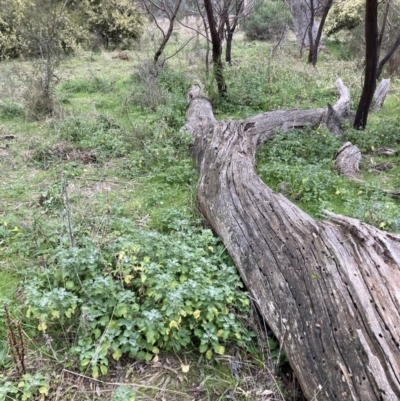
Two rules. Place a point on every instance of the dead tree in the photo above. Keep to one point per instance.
(329, 290)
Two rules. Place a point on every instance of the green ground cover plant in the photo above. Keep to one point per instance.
(139, 293)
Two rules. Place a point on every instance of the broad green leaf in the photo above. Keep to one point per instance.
(203, 348)
(150, 336)
(117, 354)
(103, 369)
(173, 323)
(121, 311)
(69, 284)
(44, 390)
(220, 350)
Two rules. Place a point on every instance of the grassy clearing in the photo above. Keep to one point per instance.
(115, 179)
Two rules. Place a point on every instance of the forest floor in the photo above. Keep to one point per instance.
(110, 174)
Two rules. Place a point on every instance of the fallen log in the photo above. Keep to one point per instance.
(329, 290)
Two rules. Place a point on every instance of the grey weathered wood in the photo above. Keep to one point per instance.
(347, 160)
(380, 94)
(329, 290)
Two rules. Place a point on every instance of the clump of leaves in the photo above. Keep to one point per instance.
(27, 387)
(140, 293)
(304, 161)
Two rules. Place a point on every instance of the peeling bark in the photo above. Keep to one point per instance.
(329, 290)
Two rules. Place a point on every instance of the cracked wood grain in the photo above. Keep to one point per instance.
(329, 290)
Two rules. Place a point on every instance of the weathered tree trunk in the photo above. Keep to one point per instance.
(329, 290)
(347, 160)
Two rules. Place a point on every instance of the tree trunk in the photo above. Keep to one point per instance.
(314, 44)
(216, 40)
(371, 62)
(301, 13)
(229, 38)
(329, 290)
(230, 29)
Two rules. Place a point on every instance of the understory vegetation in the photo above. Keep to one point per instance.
(113, 286)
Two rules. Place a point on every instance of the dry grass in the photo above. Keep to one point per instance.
(239, 376)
